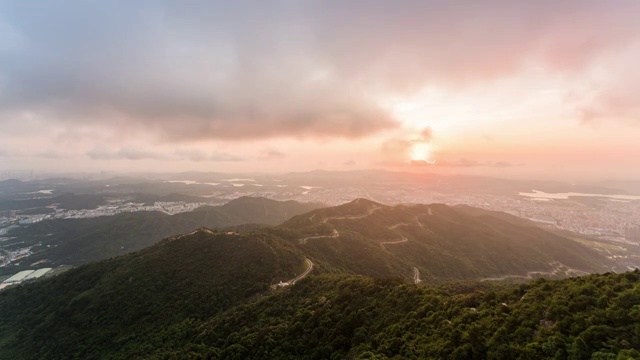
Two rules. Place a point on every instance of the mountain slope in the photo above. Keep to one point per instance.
(266, 211)
(338, 317)
(75, 241)
(441, 242)
(95, 309)
(141, 306)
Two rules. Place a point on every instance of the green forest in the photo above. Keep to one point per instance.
(208, 296)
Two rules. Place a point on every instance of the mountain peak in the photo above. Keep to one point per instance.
(442, 242)
(358, 206)
(363, 201)
(11, 182)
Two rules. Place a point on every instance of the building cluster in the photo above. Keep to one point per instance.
(170, 208)
(25, 220)
(23, 276)
(8, 214)
(632, 233)
(6, 256)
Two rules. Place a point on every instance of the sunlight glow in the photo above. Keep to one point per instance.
(421, 152)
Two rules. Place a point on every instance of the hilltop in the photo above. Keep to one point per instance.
(440, 241)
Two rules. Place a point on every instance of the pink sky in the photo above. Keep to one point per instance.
(541, 89)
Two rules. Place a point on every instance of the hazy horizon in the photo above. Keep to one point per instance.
(515, 90)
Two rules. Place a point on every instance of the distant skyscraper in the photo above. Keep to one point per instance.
(8, 214)
(632, 233)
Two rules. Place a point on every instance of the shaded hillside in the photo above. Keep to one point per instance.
(75, 241)
(266, 211)
(442, 242)
(14, 186)
(128, 305)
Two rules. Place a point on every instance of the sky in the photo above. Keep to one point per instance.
(539, 89)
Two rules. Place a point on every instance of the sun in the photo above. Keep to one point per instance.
(421, 152)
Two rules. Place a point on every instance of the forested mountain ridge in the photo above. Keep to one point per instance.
(137, 310)
(126, 304)
(442, 242)
(76, 241)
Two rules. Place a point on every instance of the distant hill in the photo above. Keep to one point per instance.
(68, 201)
(267, 210)
(441, 242)
(75, 241)
(11, 186)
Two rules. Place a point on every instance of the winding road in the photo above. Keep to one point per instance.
(335, 234)
(398, 225)
(416, 275)
(559, 269)
(404, 240)
(297, 278)
(353, 217)
(304, 274)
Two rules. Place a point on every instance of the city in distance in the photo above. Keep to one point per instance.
(320, 180)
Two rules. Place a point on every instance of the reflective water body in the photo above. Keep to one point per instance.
(563, 196)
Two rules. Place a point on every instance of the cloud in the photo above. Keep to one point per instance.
(223, 156)
(256, 69)
(51, 154)
(504, 164)
(396, 146)
(350, 163)
(617, 97)
(420, 163)
(464, 162)
(425, 135)
(272, 154)
(100, 153)
(195, 155)
(401, 146)
(191, 155)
